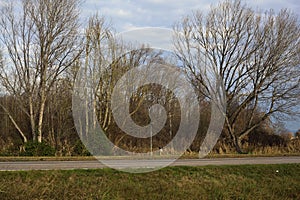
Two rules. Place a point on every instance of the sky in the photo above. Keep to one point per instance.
(126, 15)
(129, 14)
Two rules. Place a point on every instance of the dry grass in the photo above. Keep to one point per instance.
(291, 149)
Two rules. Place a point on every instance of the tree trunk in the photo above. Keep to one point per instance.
(41, 117)
(236, 140)
(238, 145)
(32, 119)
(15, 124)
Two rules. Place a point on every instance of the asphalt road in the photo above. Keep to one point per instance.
(119, 164)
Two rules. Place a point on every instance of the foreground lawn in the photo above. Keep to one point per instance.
(211, 182)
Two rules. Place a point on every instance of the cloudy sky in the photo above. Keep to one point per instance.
(129, 14)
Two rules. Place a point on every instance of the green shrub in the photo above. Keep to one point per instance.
(38, 149)
(80, 150)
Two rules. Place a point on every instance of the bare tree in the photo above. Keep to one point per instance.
(256, 56)
(41, 40)
(93, 76)
(107, 59)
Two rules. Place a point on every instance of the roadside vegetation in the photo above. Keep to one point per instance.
(213, 182)
(255, 55)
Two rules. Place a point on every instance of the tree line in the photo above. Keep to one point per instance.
(255, 55)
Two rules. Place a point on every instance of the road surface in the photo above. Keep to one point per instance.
(119, 164)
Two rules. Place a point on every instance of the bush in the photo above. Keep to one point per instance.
(80, 150)
(11, 150)
(38, 149)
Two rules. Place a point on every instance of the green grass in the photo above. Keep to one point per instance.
(211, 182)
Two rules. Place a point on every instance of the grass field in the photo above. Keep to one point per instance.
(211, 182)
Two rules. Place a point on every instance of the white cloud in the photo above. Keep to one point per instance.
(117, 12)
(136, 13)
(127, 14)
(158, 38)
